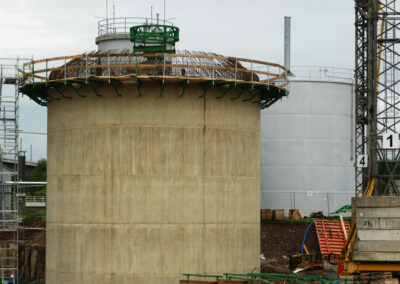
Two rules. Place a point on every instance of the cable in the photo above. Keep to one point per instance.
(305, 236)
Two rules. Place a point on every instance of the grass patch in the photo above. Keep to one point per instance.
(39, 215)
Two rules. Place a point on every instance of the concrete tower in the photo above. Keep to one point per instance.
(153, 162)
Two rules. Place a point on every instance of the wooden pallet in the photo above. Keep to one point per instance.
(278, 214)
(266, 214)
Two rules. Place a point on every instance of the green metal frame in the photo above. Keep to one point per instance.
(274, 278)
(266, 95)
(154, 38)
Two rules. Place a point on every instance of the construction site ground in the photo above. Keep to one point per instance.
(279, 240)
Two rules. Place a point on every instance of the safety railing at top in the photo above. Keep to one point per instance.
(122, 25)
(322, 73)
(182, 66)
(34, 198)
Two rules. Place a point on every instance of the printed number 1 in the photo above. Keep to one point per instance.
(390, 138)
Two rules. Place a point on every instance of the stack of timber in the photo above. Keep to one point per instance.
(278, 214)
(294, 214)
(266, 214)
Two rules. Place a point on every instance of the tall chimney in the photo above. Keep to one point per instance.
(287, 42)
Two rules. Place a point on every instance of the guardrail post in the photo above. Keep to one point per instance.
(33, 70)
(163, 74)
(236, 61)
(268, 76)
(252, 75)
(47, 65)
(213, 70)
(109, 69)
(65, 71)
(86, 70)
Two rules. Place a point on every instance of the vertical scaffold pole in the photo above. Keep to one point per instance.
(86, 70)
(252, 75)
(109, 69)
(65, 71)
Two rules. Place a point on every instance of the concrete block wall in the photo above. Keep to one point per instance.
(378, 227)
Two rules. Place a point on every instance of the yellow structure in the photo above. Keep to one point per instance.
(146, 185)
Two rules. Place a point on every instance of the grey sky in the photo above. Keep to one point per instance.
(322, 33)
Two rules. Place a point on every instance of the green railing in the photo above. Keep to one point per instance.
(154, 38)
(270, 278)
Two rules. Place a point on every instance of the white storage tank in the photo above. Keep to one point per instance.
(307, 159)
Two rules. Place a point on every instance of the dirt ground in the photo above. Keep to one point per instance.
(279, 240)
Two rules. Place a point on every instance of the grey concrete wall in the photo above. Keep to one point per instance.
(143, 189)
(378, 228)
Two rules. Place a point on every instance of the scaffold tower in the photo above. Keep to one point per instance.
(9, 191)
(377, 90)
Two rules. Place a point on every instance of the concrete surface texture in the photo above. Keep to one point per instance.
(378, 228)
(143, 189)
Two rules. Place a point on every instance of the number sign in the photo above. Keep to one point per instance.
(390, 140)
(362, 161)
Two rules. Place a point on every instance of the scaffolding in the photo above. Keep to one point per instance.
(9, 193)
(377, 89)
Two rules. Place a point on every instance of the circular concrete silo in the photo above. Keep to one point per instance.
(153, 169)
(147, 188)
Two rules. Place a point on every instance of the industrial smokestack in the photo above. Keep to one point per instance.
(287, 42)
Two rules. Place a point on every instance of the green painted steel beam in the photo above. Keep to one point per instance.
(184, 85)
(205, 86)
(93, 87)
(255, 93)
(244, 89)
(231, 86)
(116, 84)
(162, 87)
(71, 85)
(138, 85)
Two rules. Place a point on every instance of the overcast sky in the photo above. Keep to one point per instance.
(322, 34)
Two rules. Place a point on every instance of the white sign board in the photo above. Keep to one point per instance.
(362, 161)
(390, 140)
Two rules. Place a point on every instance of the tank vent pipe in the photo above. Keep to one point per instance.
(287, 42)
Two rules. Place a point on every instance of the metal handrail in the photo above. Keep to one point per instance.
(131, 65)
(122, 25)
(35, 198)
(322, 73)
